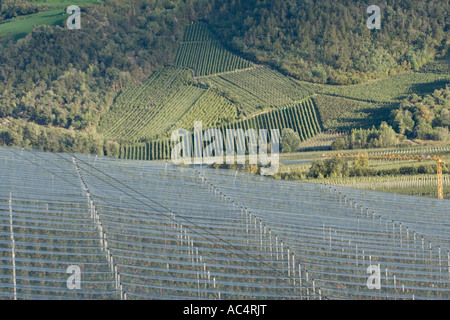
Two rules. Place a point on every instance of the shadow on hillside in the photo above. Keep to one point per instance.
(429, 87)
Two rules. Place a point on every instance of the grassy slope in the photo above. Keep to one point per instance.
(345, 107)
(392, 89)
(19, 27)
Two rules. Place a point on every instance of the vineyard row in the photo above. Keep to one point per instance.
(302, 118)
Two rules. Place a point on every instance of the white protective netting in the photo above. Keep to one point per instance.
(141, 230)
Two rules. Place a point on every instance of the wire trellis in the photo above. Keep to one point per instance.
(169, 232)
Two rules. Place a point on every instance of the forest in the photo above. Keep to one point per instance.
(328, 41)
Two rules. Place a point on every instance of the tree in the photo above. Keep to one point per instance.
(290, 140)
(330, 168)
(340, 144)
(362, 160)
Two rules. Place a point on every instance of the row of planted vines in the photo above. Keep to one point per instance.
(150, 109)
(259, 88)
(156, 150)
(301, 117)
(205, 55)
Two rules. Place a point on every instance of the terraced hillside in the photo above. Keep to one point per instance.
(173, 98)
(156, 231)
(226, 94)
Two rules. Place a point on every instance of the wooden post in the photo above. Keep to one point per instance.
(448, 260)
(276, 246)
(198, 284)
(330, 238)
(300, 274)
(288, 263)
(314, 288)
(307, 284)
(13, 246)
(270, 243)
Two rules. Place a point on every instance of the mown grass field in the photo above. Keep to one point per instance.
(19, 27)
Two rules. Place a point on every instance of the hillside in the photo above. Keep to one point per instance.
(133, 75)
(328, 41)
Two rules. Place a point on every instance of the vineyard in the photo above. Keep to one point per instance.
(153, 230)
(149, 109)
(322, 141)
(343, 114)
(439, 66)
(201, 52)
(167, 99)
(392, 89)
(425, 185)
(258, 89)
(301, 117)
(211, 108)
(222, 88)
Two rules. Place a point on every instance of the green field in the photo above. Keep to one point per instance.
(392, 89)
(342, 114)
(65, 3)
(19, 27)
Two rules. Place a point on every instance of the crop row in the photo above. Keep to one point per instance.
(301, 117)
(343, 114)
(175, 232)
(259, 88)
(151, 109)
(392, 89)
(197, 32)
(208, 57)
(205, 55)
